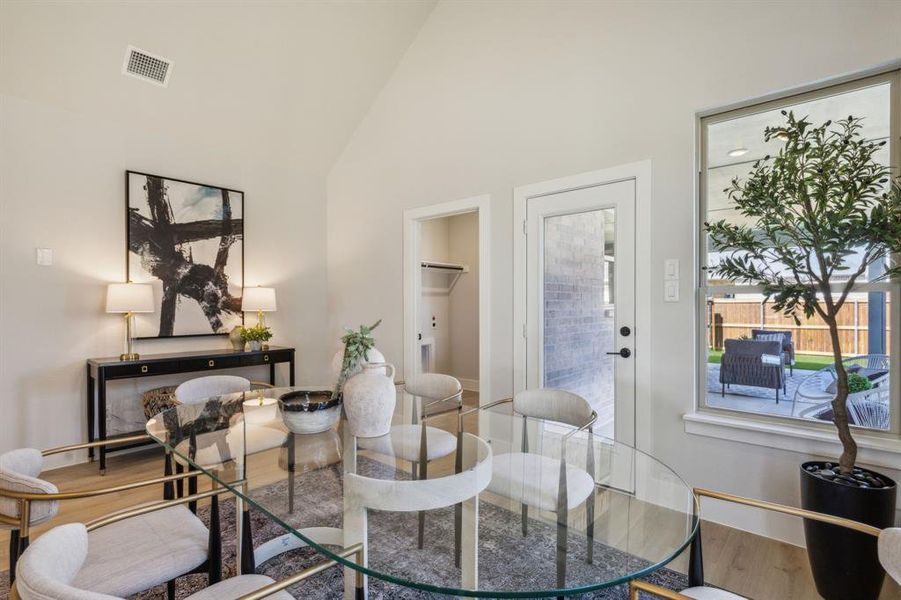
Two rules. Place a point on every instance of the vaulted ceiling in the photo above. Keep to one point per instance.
(301, 72)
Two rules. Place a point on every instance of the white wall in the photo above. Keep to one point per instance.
(463, 248)
(262, 97)
(492, 95)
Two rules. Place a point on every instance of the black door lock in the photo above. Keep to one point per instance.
(624, 331)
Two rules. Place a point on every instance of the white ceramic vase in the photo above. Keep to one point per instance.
(235, 338)
(372, 356)
(369, 399)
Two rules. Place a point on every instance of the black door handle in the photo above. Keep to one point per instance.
(624, 352)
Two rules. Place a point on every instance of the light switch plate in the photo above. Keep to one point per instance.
(671, 291)
(43, 256)
(671, 269)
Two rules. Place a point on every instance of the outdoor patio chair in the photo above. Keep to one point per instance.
(788, 345)
(820, 386)
(753, 363)
(875, 367)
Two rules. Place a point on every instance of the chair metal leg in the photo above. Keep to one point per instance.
(562, 523)
(562, 546)
(179, 485)
(525, 519)
(214, 560)
(291, 472)
(13, 554)
(589, 514)
(723, 393)
(423, 474)
(458, 508)
(168, 487)
(696, 561)
(248, 562)
(192, 490)
(170, 589)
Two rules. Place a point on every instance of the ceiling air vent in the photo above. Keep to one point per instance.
(146, 66)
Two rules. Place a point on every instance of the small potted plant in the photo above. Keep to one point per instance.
(816, 217)
(255, 336)
(367, 388)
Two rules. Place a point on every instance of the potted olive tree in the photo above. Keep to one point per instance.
(817, 216)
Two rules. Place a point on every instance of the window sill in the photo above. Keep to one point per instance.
(873, 450)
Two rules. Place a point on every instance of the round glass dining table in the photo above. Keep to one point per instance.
(487, 504)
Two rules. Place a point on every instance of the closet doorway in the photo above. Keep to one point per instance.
(446, 293)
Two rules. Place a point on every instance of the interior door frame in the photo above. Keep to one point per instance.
(413, 218)
(640, 172)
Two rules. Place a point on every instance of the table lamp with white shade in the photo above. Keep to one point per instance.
(128, 299)
(259, 299)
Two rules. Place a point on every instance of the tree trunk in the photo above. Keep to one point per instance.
(840, 403)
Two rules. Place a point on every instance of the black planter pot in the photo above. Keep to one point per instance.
(844, 563)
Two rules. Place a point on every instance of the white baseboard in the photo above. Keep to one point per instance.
(470, 385)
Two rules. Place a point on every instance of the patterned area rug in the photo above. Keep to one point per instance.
(397, 535)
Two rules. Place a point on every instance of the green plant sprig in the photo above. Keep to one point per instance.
(858, 383)
(257, 333)
(356, 345)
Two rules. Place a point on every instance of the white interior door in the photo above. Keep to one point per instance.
(580, 299)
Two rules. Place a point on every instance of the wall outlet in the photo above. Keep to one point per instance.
(671, 291)
(671, 269)
(43, 256)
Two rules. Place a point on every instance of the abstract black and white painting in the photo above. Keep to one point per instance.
(187, 240)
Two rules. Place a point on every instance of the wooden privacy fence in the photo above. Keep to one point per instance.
(729, 318)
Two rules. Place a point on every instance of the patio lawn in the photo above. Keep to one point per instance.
(808, 362)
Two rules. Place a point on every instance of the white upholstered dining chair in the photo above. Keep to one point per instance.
(545, 483)
(211, 449)
(20, 471)
(133, 551)
(62, 565)
(888, 547)
(200, 389)
(418, 442)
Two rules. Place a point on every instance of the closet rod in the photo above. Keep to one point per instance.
(443, 266)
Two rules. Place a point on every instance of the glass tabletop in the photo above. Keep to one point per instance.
(487, 503)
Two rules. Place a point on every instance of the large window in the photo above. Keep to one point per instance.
(731, 314)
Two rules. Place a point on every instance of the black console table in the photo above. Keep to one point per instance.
(101, 370)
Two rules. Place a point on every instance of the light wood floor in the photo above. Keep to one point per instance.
(747, 564)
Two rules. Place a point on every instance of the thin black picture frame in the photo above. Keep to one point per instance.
(128, 174)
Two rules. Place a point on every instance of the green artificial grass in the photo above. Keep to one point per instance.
(807, 362)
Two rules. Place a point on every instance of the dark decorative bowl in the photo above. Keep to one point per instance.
(312, 411)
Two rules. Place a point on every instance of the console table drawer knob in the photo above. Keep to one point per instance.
(143, 368)
(212, 363)
(266, 357)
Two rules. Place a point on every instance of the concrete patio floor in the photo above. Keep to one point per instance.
(762, 401)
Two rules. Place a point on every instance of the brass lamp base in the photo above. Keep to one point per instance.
(129, 353)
